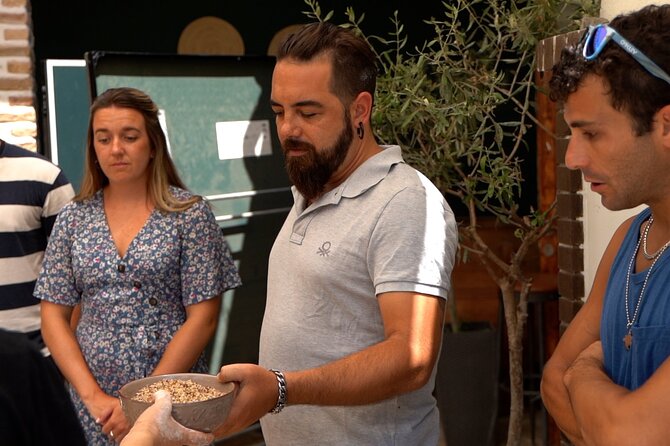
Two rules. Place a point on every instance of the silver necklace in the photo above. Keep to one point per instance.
(644, 242)
(628, 338)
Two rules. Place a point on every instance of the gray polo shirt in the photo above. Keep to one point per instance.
(386, 228)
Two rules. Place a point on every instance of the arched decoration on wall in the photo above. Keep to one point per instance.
(210, 35)
(279, 37)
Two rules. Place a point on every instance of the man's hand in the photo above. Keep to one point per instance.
(156, 427)
(588, 360)
(257, 394)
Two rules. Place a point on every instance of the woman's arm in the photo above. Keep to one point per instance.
(207, 269)
(191, 339)
(65, 351)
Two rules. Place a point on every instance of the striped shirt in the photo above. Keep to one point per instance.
(32, 191)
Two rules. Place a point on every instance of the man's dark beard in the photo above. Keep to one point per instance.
(310, 172)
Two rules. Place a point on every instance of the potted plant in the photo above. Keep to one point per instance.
(467, 386)
(461, 106)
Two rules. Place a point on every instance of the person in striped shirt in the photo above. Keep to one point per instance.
(32, 191)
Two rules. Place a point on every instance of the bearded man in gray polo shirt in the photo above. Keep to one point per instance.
(359, 273)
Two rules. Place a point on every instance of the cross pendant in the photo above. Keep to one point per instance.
(628, 340)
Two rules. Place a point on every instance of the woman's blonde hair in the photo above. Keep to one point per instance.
(162, 172)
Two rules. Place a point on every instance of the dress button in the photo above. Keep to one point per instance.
(121, 267)
(153, 301)
(137, 285)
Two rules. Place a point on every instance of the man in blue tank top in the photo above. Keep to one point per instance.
(608, 382)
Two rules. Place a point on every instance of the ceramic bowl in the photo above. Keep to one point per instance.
(204, 416)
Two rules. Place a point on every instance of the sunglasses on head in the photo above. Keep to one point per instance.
(597, 37)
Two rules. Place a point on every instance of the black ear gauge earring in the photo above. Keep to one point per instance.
(360, 131)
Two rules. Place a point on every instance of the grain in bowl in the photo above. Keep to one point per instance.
(181, 391)
(205, 415)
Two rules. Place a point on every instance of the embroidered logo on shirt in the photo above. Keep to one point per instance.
(324, 250)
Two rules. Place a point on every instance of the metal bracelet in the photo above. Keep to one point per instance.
(281, 384)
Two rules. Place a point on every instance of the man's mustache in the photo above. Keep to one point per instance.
(296, 144)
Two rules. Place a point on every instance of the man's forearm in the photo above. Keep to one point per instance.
(593, 397)
(557, 401)
(376, 373)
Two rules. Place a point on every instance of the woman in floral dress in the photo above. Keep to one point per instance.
(143, 258)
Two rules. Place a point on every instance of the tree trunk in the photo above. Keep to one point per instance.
(515, 318)
(516, 395)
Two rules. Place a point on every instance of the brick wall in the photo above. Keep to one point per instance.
(17, 111)
(569, 200)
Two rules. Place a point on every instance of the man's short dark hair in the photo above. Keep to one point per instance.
(354, 61)
(631, 88)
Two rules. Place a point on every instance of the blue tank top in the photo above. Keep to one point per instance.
(651, 331)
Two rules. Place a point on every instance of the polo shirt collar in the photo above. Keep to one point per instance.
(371, 172)
(367, 175)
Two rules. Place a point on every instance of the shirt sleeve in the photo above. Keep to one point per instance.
(207, 266)
(413, 246)
(59, 194)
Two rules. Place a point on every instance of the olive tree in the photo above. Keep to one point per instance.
(461, 106)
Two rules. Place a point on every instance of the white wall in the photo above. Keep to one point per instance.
(610, 8)
(600, 223)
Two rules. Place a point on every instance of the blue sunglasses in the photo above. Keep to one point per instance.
(597, 37)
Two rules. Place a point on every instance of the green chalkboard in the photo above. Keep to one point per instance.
(67, 104)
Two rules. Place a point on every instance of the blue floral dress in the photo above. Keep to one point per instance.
(132, 306)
